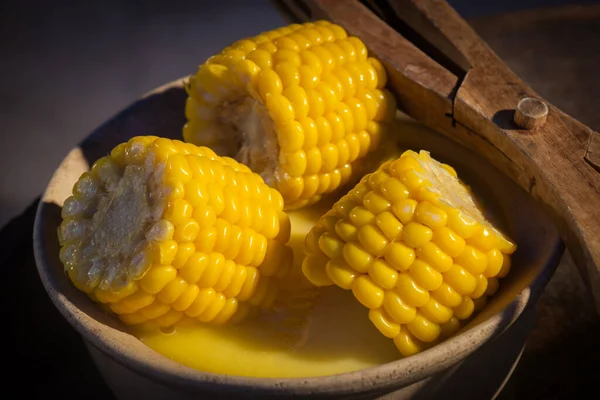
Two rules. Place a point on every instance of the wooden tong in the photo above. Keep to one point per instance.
(444, 75)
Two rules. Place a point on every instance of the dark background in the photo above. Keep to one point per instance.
(67, 66)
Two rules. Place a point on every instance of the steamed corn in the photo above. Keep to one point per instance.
(301, 106)
(412, 245)
(161, 230)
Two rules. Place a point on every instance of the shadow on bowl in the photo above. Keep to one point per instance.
(133, 370)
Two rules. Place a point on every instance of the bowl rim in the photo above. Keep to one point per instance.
(380, 377)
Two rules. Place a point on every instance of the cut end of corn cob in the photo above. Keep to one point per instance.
(300, 105)
(414, 247)
(163, 229)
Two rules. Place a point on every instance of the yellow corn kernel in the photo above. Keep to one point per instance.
(404, 209)
(214, 267)
(494, 266)
(184, 252)
(179, 211)
(302, 92)
(448, 241)
(313, 268)
(341, 273)
(410, 291)
(492, 287)
(399, 256)
(372, 239)
(415, 234)
(186, 299)
(164, 252)
(407, 344)
(194, 267)
(447, 296)
(226, 275)
(168, 319)
(430, 215)
(213, 309)
(423, 329)
(172, 291)
(462, 223)
(389, 225)
(473, 260)
(384, 323)
(399, 310)
(461, 280)
(383, 274)
(346, 231)
(367, 292)
(484, 239)
(506, 264)
(482, 284)
(262, 292)
(380, 71)
(154, 310)
(436, 312)
(344, 206)
(375, 179)
(237, 281)
(432, 254)
(425, 276)
(208, 226)
(186, 232)
(359, 192)
(331, 245)
(227, 312)
(311, 241)
(375, 203)
(413, 181)
(505, 245)
(394, 191)
(133, 303)
(450, 328)
(204, 298)
(465, 309)
(103, 296)
(157, 278)
(357, 257)
(360, 216)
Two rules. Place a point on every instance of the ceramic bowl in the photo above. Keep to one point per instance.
(133, 370)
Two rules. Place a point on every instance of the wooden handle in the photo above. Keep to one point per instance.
(552, 157)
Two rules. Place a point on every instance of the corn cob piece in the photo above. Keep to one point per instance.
(163, 229)
(414, 247)
(301, 106)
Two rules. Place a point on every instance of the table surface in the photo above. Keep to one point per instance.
(555, 51)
